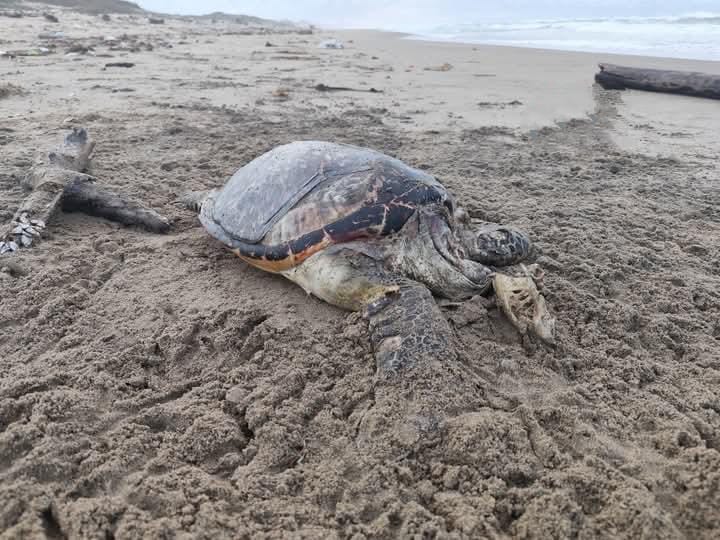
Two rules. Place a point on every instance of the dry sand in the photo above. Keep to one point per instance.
(157, 387)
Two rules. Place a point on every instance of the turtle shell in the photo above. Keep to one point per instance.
(262, 192)
(307, 194)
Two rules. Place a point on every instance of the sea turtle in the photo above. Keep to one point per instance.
(366, 232)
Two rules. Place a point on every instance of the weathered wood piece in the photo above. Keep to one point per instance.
(48, 180)
(689, 83)
(58, 181)
(325, 88)
(89, 198)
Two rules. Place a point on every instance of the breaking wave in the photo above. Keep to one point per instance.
(694, 35)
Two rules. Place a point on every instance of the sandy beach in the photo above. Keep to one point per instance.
(155, 386)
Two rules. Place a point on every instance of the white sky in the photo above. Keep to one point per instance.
(416, 14)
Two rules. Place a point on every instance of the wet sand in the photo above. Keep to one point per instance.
(155, 385)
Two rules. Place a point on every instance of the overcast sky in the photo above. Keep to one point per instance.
(414, 14)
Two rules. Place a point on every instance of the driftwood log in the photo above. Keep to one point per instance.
(59, 181)
(689, 83)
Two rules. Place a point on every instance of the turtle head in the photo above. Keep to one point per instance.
(429, 252)
(460, 257)
(489, 243)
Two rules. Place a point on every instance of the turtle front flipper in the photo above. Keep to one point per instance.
(420, 380)
(407, 329)
(406, 326)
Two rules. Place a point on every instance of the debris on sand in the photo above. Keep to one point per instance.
(156, 20)
(120, 64)
(443, 67)
(281, 94)
(299, 56)
(325, 88)
(499, 104)
(35, 51)
(12, 14)
(56, 34)
(101, 46)
(331, 44)
(129, 44)
(7, 90)
(50, 17)
(79, 49)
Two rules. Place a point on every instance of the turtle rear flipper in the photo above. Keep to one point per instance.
(524, 306)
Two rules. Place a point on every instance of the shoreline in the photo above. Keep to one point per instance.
(713, 65)
(425, 37)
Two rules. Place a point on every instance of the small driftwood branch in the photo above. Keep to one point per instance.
(58, 181)
(689, 83)
(89, 198)
(325, 88)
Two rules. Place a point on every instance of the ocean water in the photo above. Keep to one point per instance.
(695, 36)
